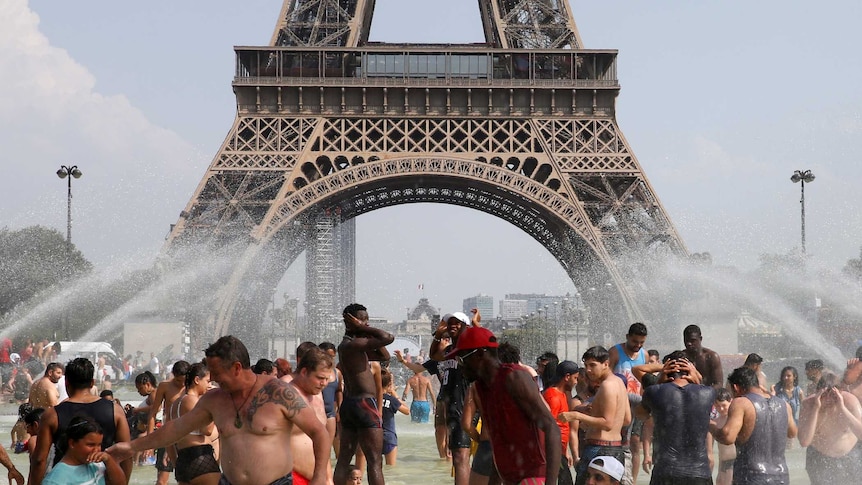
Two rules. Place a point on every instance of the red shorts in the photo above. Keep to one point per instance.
(299, 479)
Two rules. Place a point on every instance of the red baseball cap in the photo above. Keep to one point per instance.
(474, 338)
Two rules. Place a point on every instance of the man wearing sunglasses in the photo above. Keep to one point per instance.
(525, 437)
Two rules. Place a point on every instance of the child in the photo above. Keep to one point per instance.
(726, 453)
(355, 476)
(19, 430)
(32, 422)
(391, 405)
(83, 461)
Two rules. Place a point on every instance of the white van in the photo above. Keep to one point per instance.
(89, 350)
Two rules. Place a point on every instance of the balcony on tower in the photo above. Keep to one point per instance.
(426, 80)
(440, 64)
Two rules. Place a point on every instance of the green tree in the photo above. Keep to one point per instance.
(33, 259)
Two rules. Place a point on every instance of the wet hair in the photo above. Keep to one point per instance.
(722, 394)
(792, 371)
(828, 380)
(79, 374)
(197, 370)
(597, 353)
(508, 353)
(744, 377)
(549, 373)
(385, 378)
(649, 380)
(354, 309)
(80, 426)
(675, 355)
(753, 359)
(106, 393)
(638, 328)
(302, 348)
(24, 409)
(282, 366)
(327, 346)
(313, 358)
(653, 352)
(145, 377)
(180, 368)
(691, 331)
(34, 416)
(815, 364)
(52, 366)
(229, 349)
(262, 366)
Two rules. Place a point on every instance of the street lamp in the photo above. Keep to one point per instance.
(70, 173)
(802, 176)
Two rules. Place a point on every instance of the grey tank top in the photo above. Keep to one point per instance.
(761, 458)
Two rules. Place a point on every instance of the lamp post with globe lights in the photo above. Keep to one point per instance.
(803, 177)
(69, 173)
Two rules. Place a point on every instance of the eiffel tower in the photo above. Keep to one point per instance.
(330, 126)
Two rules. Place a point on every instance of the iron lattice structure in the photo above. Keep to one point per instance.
(329, 127)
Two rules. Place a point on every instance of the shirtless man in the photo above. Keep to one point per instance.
(166, 393)
(44, 393)
(310, 377)
(830, 425)
(255, 416)
(759, 424)
(420, 387)
(705, 360)
(605, 417)
(360, 414)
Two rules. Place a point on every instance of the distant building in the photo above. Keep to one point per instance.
(541, 303)
(422, 319)
(484, 303)
(513, 309)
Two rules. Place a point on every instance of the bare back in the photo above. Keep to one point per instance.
(420, 386)
(44, 393)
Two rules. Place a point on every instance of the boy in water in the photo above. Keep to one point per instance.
(726, 453)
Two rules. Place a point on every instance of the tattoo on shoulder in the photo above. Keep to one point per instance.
(279, 393)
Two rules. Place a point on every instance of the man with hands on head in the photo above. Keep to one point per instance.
(830, 426)
(254, 414)
(361, 424)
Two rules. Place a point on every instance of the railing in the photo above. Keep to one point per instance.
(403, 65)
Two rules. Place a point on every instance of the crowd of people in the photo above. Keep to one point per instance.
(221, 420)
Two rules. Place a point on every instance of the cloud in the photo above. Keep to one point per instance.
(137, 176)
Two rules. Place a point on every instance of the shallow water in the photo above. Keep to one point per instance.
(418, 462)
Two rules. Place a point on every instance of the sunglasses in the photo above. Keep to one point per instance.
(462, 358)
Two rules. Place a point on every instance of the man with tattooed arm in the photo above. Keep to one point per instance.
(255, 415)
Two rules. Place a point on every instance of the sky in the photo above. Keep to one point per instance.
(721, 101)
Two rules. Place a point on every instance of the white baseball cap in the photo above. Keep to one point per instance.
(460, 316)
(609, 465)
